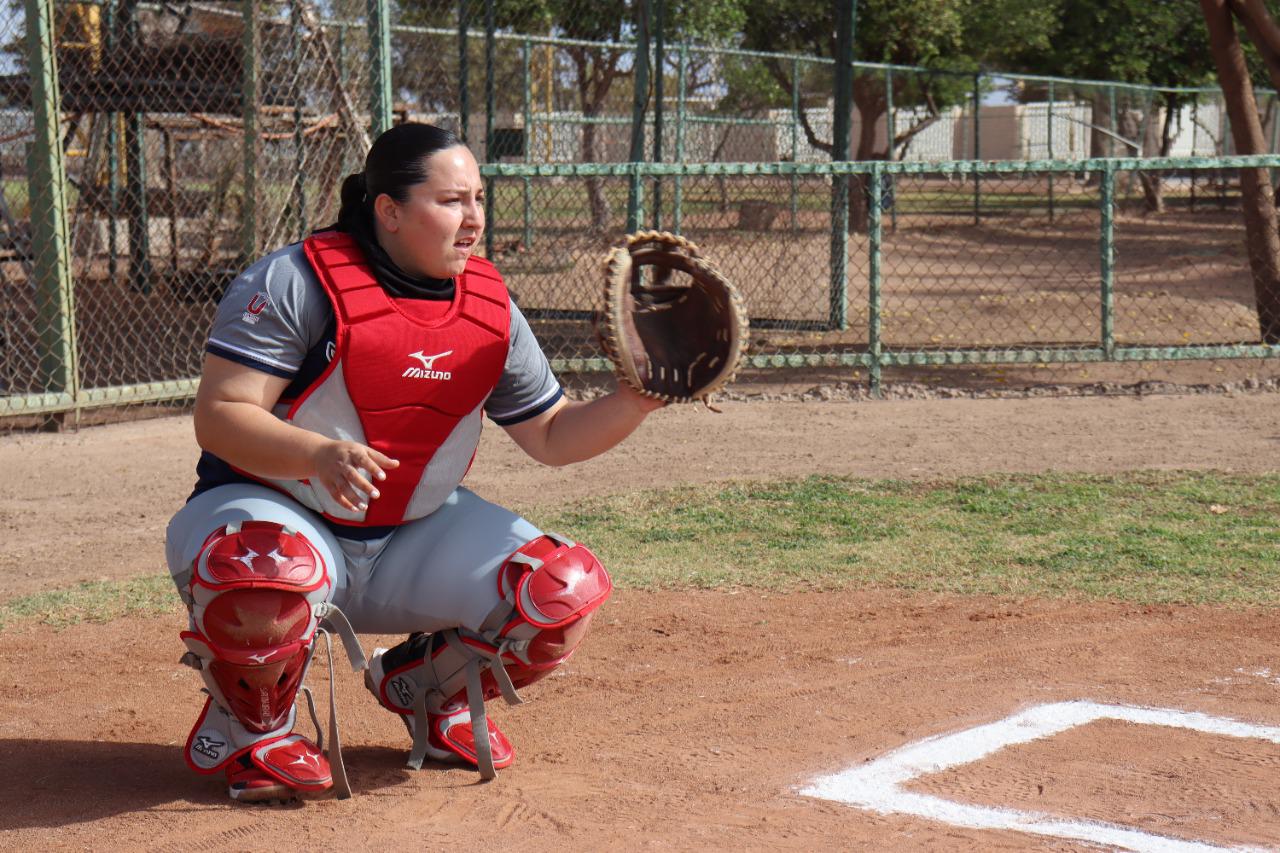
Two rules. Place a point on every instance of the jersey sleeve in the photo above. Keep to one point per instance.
(527, 387)
(271, 315)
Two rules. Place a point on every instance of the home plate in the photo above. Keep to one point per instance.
(880, 785)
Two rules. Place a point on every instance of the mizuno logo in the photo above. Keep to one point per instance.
(427, 371)
(207, 746)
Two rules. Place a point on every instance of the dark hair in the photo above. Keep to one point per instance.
(396, 161)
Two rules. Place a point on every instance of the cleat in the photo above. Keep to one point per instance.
(247, 783)
(449, 738)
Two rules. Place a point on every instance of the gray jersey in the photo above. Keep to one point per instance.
(276, 317)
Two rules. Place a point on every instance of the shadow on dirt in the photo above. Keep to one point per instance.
(69, 782)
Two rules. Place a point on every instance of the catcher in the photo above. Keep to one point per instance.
(341, 401)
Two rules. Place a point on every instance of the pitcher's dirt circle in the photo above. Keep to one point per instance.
(687, 720)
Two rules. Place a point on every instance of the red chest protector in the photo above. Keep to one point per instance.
(413, 386)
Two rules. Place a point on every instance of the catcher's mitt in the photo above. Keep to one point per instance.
(674, 327)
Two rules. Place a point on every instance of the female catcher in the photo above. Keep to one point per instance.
(339, 408)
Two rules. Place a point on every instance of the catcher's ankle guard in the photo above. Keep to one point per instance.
(550, 588)
(258, 594)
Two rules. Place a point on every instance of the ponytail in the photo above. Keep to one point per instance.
(354, 210)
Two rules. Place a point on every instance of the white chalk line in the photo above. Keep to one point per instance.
(878, 785)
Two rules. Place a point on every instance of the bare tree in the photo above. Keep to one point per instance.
(1261, 235)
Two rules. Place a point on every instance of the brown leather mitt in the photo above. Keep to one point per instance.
(674, 327)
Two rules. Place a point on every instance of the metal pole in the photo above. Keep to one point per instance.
(795, 141)
(489, 188)
(171, 179)
(1049, 124)
(977, 148)
(47, 194)
(136, 203)
(1195, 117)
(380, 66)
(113, 158)
(874, 235)
(838, 308)
(299, 141)
(891, 131)
(659, 60)
(1111, 137)
(249, 101)
(1107, 249)
(640, 96)
(526, 58)
(678, 202)
(464, 96)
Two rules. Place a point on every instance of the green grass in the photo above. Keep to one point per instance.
(1148, 537)
(95, 601)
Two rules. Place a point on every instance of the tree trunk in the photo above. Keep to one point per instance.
(1262, 240)
(589, 99)
(869, 100)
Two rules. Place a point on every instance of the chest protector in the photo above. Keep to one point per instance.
(411, 389)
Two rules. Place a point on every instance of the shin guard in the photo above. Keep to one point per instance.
(258, 593)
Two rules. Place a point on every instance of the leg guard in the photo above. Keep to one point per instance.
(550, 587)
(258, 592)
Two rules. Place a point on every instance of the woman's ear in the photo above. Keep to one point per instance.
(388, 212)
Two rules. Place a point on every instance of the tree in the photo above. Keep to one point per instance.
(956, 37)
(1148, 42)
(1242, 110)
(600, 54)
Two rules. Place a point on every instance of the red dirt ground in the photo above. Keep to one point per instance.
(687, 720)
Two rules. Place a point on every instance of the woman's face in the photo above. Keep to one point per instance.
(436, 229)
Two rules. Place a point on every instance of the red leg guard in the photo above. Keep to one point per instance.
(256, 590)
(551, 586)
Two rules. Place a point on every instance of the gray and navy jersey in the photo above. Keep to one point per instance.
(276, 317)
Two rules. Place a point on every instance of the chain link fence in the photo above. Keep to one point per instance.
(149, 151)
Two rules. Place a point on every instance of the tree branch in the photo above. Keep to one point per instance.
(1262, 31)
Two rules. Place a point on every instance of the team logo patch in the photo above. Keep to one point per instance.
(427, 370)
(256, 306)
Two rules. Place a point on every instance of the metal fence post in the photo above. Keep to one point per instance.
(1111, 137)
(113, 156)
(464, 95)
(874, 238)
(977, 148)
(526, 58)
(659, 59)
(678, 202)
(1106, 245)
(1049, 125)
(891, 131)
(47, 192)
(379, 66)
(838, 308)
(795, 141)
(249, 100)
(299, 200)
(490, 184)
(640, 96)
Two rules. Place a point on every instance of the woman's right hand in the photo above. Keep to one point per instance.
(347, 470)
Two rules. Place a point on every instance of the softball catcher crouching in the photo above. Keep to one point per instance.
(344, 387)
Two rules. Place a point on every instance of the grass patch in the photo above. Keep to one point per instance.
(93, 601)
(1144, 537)
(1147, 537)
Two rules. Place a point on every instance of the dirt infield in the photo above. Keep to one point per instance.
(688, 720)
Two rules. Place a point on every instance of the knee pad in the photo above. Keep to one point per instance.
(550, 588)
(258, 591)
